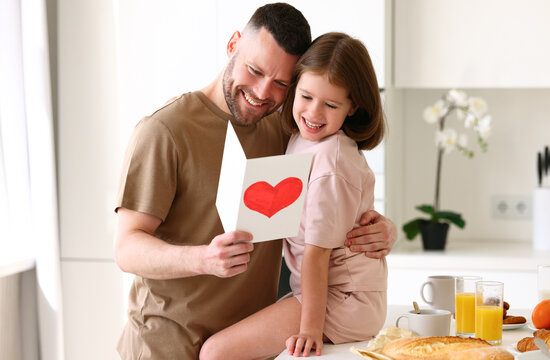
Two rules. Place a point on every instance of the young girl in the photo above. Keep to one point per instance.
(333, 109)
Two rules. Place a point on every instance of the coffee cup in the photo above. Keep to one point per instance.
(430, 322)
(442, 292)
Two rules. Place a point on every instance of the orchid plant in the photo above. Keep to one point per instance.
(472, 112)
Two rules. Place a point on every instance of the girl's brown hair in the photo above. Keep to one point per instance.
(347, 63)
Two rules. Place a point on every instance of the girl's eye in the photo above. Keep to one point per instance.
(331, 106)
(307, 97)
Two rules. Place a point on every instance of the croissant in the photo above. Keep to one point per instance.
(528, 343)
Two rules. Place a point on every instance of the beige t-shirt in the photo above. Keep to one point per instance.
(171, 170)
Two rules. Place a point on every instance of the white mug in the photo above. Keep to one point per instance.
(430, 322)
(443, 292)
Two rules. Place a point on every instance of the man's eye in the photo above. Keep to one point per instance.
(281, 84)
(254, 71)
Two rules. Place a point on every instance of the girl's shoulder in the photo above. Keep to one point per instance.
(330, 145)
(336, 154)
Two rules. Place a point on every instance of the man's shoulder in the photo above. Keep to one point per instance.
(184, 111)
(182, 105)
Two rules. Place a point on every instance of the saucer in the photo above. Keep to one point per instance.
(512, 326)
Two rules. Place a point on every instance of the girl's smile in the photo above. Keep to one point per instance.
(320, 107)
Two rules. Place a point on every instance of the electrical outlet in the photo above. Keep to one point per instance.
(511, 206)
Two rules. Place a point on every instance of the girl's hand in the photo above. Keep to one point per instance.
(303, 343)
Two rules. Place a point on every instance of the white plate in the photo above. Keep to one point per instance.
(532, 327)
(531, 355)
(512, 326)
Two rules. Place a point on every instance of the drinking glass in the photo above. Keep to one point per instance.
(465, 292)
(489, 295)
(543, 282)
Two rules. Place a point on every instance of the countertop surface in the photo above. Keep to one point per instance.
(479, 254)
(342, 351)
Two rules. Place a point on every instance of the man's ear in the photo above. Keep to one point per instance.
(232, 44)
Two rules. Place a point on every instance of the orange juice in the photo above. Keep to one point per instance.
(489, 323)
(465, 313)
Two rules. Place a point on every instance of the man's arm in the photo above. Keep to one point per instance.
(375, 237)
(139, 252)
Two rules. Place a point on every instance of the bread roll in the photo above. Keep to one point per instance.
(485, 353)
(431, 348)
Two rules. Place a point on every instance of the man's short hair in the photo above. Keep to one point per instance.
(286, 24)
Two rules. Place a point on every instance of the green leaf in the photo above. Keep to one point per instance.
(452, 217)
(428, 209)
(411, 229)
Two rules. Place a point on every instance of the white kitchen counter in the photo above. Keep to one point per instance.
(513, 263)
(341, 352)
(477, 254)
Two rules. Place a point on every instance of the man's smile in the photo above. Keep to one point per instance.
(252, 101)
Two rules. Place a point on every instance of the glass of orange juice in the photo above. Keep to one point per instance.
(488, 300)
(465, 292)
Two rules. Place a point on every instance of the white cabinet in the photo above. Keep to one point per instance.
(472, 43)
(94, 301)
(362, 19)
(87, 135)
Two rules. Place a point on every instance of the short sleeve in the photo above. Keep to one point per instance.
(149, 172)
(331, 209)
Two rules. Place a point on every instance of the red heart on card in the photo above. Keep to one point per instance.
(268, 200)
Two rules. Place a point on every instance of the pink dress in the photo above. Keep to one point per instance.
(340, 190)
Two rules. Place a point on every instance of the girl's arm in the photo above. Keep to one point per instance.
(314, 302)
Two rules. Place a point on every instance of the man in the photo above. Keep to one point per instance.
(192, 278)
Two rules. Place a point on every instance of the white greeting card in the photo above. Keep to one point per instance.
(264, 196)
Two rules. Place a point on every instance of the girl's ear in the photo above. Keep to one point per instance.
(232, 44)
(352, 109)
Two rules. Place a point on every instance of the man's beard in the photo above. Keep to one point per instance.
(231, 97)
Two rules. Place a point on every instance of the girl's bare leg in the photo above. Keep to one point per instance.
(259, 336)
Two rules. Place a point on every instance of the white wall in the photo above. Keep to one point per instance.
(521, 127)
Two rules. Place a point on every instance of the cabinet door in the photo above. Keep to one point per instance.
(94, 303)
(472, 43)
(362, 19)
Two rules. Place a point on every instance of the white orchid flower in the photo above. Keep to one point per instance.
(433, 113)
(446, 139)
(484, 127)
(477, 106)
(470, 120)
(457, 98)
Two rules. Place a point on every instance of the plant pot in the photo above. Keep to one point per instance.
(434, 235)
